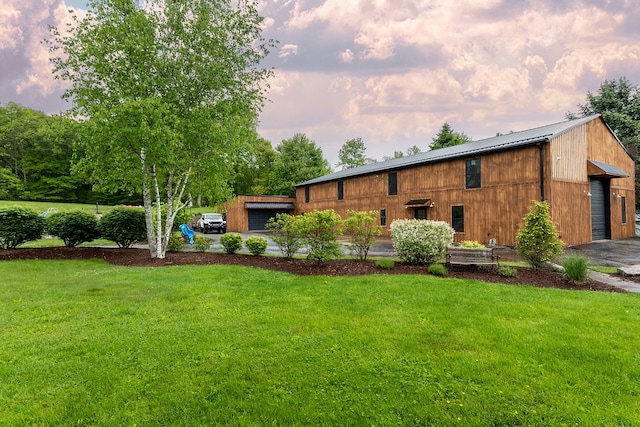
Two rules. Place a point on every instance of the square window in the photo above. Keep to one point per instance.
(473, 173)
(457, 218)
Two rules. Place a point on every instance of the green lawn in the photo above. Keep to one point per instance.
(86, 343)
(44, 206)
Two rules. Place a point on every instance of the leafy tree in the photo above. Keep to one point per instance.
(10, 186)
(254, 172)
(446, 137)
(363, 230)
(411, 151)
(298, 159)
(352, 154)
(537, 241)
(619, 103)
(167, 93)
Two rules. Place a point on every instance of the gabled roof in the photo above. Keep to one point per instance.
(483, 146)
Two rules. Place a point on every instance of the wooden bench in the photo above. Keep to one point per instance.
(472, 256)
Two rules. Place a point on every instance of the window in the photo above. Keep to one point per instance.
(624, 209)
(393, 183)
(306, 194)
(457, 218)
(473, 173)
(340, 190)
(383, 217)
(420, 213)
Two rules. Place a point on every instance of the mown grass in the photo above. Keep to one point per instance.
(44, 206)
(86, 343)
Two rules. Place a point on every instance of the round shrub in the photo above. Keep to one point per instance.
(438, 270)
(256, 245)
(176, 242)
(201, 243)
(125, 226)
(231, 242)
(73, 227)
(19, 225)
(575, 268)
(420, 242)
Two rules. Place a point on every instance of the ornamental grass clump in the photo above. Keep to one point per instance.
(438, 270)
(420, 242)
(575, 268)
(385, 263)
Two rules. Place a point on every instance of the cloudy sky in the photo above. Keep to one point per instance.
(392, 71)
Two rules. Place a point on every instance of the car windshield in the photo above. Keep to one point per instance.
(212, 216)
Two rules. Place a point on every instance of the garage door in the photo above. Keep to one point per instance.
(600, 221)
(258, 218)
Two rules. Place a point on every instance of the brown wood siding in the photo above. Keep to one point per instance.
(569, 155)
(238, 215)
(510, 181)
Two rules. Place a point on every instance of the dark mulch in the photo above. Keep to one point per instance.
(342, 267)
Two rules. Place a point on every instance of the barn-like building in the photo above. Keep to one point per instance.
(484, 188)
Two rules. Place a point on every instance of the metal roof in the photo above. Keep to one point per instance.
(609, 170)
(497, 143)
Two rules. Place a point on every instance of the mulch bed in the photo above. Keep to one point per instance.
(342, 267)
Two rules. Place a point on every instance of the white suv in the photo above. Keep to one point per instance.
(212, 221)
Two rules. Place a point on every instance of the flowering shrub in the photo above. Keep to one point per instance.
(419, 241)
(471, 244)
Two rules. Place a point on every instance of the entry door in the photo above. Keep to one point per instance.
(600, 209)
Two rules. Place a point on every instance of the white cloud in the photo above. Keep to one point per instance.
(288, 50)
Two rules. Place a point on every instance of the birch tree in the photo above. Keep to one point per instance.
(168, 92)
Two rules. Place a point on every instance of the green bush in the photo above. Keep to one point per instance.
(471, 244)
(176, 242)
(285, 234)
(537, 241)
(507, 271)
(576, 268)
(420, 242)
(231, 242)
(256, 245)
(201, 243)
(362, 229)
(73, 227)
(438, 270)
(385, 263)
(19, 225)
(320, 231)
(125, 226)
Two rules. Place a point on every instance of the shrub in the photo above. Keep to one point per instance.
(363, 232)
(320, 231)
(471, 244)
(231, 242)
(73, 227)
(537, 241)
(419, 241)
(385, 263)
(125, 226)
(576, 268)
(438, 270)
(19, 225)
(285, 234)
(201, 243)
(256, 245)
(176, 242)
(507, 271)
